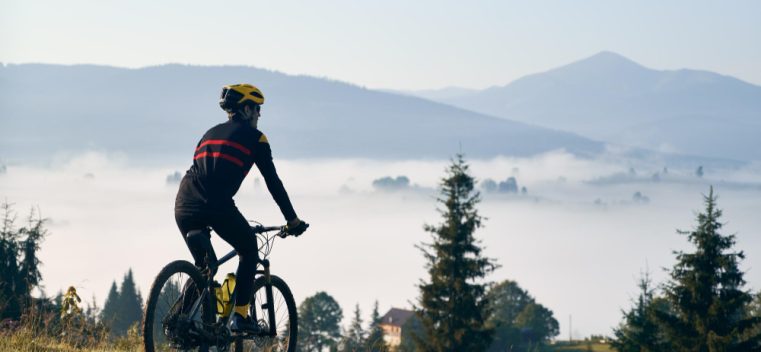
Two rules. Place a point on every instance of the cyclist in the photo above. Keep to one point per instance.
(223, 158)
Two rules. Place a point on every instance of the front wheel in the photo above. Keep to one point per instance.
(169, 323)
(284, 314)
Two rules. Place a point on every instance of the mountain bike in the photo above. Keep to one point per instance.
(183, 312)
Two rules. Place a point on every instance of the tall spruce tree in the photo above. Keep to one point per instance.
(354, 339)
(639, 330)
(705, 292)
(374, 341)
(10, 304)
(108, 314)
(129, 309)
(29, 268)
(453, 304)
(19, 265)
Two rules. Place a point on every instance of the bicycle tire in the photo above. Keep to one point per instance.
(281, 295)
(194, 281)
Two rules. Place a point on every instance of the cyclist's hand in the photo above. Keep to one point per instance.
(296, 227)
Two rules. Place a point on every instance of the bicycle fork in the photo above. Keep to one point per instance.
(270, 305)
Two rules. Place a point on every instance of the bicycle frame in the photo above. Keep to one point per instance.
(212, 298)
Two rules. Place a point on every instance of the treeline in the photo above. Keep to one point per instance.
(60, 314)
(37, 315)
(19, 265)
(123, 307)
(320, 317)
(518, 322)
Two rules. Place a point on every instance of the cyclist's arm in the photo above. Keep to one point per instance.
(267, 168)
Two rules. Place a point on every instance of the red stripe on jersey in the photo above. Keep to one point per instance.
(227, 157)
(226, 142)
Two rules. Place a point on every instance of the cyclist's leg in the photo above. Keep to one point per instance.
(230, 224)
(189, 219)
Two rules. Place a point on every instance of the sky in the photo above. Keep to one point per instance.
(407, 45)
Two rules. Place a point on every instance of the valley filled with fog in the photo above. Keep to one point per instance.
(577, 238)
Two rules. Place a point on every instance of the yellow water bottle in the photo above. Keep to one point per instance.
(218, 295)
(228, 286)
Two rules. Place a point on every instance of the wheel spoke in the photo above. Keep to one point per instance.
(171, 296)
(284, 310)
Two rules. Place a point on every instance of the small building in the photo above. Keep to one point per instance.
(392, 323)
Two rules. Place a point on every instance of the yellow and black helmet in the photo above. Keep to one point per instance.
(235, 96)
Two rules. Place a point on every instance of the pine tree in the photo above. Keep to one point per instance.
(29, 268)
(374, 341)
(639, 330)
(129, 309)
(453, 306)
(108, 314)
(10, 305)
(705, 292)
(92, 311)
(19, 265)
(354, 339)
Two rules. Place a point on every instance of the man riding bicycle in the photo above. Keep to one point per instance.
(223, 158)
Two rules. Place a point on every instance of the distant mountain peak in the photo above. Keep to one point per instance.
(605, 61)
(609, 55)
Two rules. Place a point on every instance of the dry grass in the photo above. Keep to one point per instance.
(26, 340)
(581, 346)
(47, 332)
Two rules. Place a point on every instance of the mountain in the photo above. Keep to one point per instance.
(160, 112)
(441, 95)
(610, 98)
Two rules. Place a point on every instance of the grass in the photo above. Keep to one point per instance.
(580, 346)
(25, 340)
(47, 332)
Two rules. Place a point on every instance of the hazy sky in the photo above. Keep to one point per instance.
(387, 44)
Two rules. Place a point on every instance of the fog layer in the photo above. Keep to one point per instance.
(577, 239)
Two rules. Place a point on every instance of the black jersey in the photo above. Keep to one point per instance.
(223, 158)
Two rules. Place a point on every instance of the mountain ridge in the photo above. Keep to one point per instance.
(161, 111)
(607, 95)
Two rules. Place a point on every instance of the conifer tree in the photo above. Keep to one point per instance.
(639, 330)
(10, 305)
(453, 305)
(705, 292)
(129, 305)
(29, 268)
(354, 339)
(19, 265)
(108, 314)
(92, 311)
(374, 341)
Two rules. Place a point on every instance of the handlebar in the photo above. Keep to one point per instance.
(262, 229)
(282, 233)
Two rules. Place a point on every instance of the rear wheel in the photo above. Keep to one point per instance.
(285, 318)
(168, 324)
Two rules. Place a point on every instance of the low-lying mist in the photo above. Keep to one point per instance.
(576, 238)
